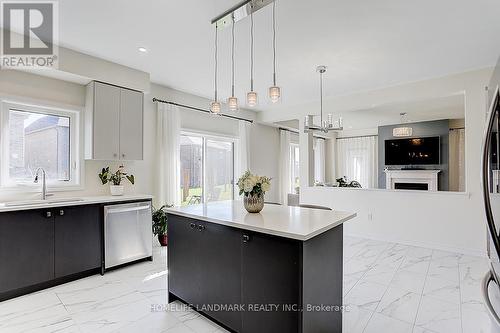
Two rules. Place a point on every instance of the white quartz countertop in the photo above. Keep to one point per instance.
(284, 221)
(65, 202)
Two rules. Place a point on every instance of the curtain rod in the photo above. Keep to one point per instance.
(200, 110)
(358, 136)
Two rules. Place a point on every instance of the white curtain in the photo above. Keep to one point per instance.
(284, 160)
(168, 147)
(457, 160)
(319, 160)
(357, 160)
(243, 162)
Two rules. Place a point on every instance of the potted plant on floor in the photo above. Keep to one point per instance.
(115, 179)
(160, 224)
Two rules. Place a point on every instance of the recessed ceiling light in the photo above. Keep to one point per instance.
(143, 49)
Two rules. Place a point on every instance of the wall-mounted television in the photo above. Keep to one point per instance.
(412, 151)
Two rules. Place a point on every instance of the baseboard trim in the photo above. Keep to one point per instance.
(434, 246)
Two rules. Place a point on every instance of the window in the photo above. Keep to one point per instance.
(294, 167)
(207, 169)
(357, 160)
(34, 137)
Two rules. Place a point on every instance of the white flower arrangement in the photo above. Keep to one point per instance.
(253, 185)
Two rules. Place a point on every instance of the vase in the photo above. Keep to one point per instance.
(253, 203)
(163, 239)
(116, 189)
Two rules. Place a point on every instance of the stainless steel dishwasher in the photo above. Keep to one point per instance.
(127, 233)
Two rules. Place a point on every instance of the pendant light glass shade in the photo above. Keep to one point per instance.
(252, 99)
(215, 107)
(232, 103)
(274, 94)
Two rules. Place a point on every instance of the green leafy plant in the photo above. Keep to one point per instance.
(115, 178)
(253, 185)
(160, 220)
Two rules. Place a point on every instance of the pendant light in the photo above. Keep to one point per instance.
(232, 102)
(402, 131)
(274, 90)
(251, 95)
(327, 125)
(215, 105)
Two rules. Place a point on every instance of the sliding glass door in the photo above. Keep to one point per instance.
(207, 169)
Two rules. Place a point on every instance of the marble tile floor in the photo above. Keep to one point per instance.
(387, 287)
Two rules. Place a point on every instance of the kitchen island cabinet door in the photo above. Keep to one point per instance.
(78, 245)
(270, 277)
(184, 262)
(26, 249)
(221, 274)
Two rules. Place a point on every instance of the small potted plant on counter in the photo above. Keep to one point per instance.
(160, 224)
(115, 179)
(253, 188)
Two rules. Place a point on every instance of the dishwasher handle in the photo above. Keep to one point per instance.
(127, 209)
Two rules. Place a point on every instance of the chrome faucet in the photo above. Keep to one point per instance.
(44, 184)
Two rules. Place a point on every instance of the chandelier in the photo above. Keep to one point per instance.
(325, 125)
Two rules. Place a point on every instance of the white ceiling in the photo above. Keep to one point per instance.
(365, 44)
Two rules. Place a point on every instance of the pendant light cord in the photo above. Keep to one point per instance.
(251, 47)
(216, 61)
(232, 57)
(274, 43)
(321, 97)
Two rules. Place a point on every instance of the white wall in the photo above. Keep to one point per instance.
(453, 221)
(264, 155)
(49, 91)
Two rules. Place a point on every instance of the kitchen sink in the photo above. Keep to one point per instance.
(39, 202)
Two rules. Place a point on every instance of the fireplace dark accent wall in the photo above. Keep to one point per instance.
(411, 186)
(439, 128)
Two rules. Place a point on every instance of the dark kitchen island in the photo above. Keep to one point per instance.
(276, 271)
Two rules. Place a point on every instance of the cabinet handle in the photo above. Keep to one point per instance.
(123, 155)
(48, 214)
(192, 225)
(201, 227)
(61, 212)
(115, 155)
(246, 238)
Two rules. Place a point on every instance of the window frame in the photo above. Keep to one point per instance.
(205, 136)
(75, 147)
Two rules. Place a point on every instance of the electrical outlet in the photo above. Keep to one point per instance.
(370, 216)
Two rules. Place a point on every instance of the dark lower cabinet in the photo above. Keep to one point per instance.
(204, 272)
(270, 276)
(77, 239)
(184, 276)
(40, 248)
(26, 249)
(221, 272)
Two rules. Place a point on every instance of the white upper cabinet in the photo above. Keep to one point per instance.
(113, 123)
(131, 118)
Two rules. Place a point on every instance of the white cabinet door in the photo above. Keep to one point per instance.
(106, 122)
(131, 125)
